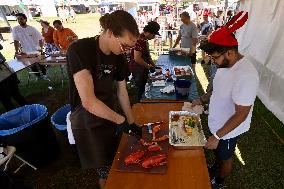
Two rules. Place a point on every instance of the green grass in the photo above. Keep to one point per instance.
(260, 149)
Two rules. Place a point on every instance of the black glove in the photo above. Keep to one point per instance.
(152, 70)
(132, 129)
(136, 130)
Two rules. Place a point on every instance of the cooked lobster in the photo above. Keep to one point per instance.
(165, 137)
(154, 161)
(144, 143)
(134, 157)
(154, 148)
(156, 129)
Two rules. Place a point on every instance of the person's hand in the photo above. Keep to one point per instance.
(196, 102)
(41, 51)
(136, 129)
(152, 69)
(63, 52)
(211, 143)
(69, 38)
(131, 129)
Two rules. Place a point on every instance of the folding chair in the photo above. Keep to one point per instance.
(9, 152)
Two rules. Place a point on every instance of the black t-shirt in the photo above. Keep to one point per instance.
(86, 54)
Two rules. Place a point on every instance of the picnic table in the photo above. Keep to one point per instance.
(58, 60)
(185, 168)
(18, 64)
(167, 61)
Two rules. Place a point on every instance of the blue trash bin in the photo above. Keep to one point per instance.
(58, 119)
(182, 88)
(27, 128)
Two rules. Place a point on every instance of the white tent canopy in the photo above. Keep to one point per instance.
(9, 2)
(262, 40)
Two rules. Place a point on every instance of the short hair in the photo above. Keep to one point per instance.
(211, 48)
(45, 22)
(186, 14)
(57, 22)
(21, 15)
(118, 22)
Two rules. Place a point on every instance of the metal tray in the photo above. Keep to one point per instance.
(178, 139)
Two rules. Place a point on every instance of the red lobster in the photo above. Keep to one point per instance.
(156, 129)
(154, 161)
(165, 137)
(154, 148)
(144, 143)
(134, 157)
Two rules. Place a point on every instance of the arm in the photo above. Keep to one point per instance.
(239, 117)
(16, 40)
(55, 39)
(84, 84)
(234, 121)
(41, 42)
(177, 41)
(123, 99)
(72, 36)
(16, 45)
(40, 39)
(202, 99)
(138, 59)
(194, 39)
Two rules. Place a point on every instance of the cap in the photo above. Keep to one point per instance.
(223, 36)
(152, 27)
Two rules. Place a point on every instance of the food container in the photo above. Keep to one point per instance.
(182, 88)
(158, 70)
(179, 51)
(185, 130)
(183, 72)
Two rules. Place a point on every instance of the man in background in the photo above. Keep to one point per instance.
(205, 28)
(63, 37)
(187, 36)
(142, 60)
(28, 40)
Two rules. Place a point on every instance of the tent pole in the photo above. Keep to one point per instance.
(4, 16)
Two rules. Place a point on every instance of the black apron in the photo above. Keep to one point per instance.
(95, 137)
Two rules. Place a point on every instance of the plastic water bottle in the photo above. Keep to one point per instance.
(147, 89)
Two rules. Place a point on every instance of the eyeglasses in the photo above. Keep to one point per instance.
(214, 58)
(124, 47)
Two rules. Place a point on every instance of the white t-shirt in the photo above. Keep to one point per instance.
(28, 37)
(235, 85)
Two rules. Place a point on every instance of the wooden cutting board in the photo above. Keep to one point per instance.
(133, 144)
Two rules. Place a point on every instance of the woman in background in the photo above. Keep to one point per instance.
(47, 33)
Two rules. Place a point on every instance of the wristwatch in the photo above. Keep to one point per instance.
(216, 136)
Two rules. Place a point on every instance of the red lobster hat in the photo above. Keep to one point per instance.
(223, 36)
